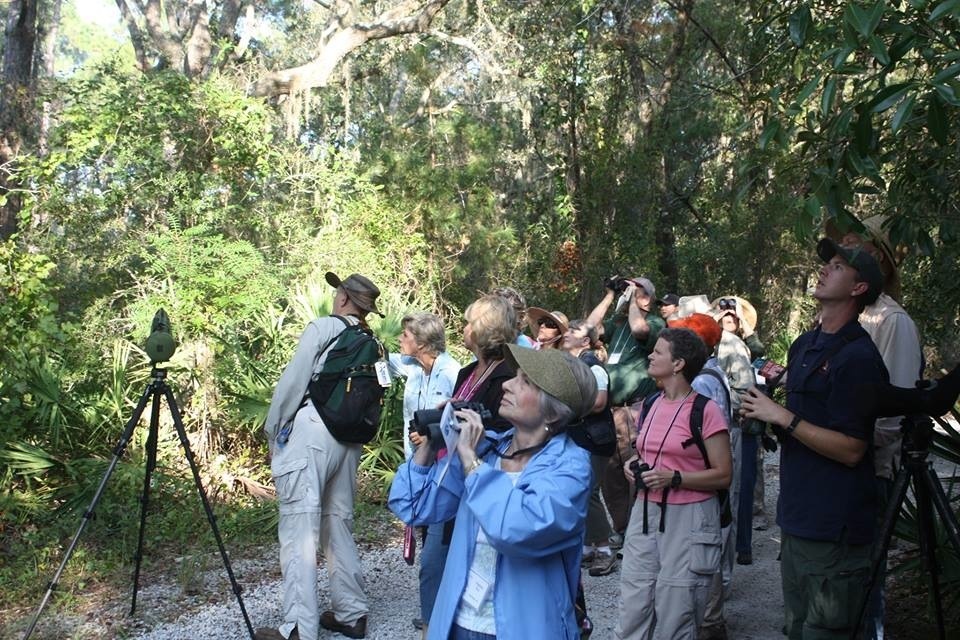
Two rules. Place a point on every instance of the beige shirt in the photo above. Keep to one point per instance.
(898, 341)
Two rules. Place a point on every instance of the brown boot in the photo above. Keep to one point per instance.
(356, 630)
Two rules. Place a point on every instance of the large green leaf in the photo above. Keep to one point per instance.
(799, 23)
(937, 122)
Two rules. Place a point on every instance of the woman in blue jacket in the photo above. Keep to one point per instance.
(520, 501)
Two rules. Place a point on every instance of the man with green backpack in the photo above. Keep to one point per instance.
(325, 406)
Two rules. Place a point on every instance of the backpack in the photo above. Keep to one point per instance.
(346, 391)
(696, 437)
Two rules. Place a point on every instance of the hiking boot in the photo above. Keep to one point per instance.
(745, 558)
(265, 633)
(603, 564)
(356, 630)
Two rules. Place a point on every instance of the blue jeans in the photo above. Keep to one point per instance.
(433, 559)
(748, 478)
(459, 633)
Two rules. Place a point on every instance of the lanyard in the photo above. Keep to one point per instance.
(656, 407)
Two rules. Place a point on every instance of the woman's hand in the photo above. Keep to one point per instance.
(657, 478)
(416, 439)
(471, 431)
(628, 474)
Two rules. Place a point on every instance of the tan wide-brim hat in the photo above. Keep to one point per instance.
(535, 314)
(875, 232)
(745, 311)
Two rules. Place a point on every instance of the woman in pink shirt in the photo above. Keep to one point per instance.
(672, 546)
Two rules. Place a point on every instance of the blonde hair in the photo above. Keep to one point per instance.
(493, 323)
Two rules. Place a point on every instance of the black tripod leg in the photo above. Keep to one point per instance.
(943, 508)
(879, 556)
(145, 496)
(211, 518)
(928, 545)
(89, 513)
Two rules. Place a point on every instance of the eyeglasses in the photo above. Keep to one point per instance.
(548, 323)
(728, 303)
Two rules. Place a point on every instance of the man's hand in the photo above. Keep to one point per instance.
(757, 405)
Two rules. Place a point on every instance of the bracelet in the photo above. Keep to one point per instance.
(473, 466)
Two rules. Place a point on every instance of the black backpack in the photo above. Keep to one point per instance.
(696, 437)
(346, 391)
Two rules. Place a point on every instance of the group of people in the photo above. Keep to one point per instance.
(634, 427)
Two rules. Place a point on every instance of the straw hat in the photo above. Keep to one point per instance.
(536, 314)
(875, 232)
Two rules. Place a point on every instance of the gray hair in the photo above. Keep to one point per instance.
(558, 414)
(427, 331)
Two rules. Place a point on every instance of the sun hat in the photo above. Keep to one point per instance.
(536, 314)
(551, 371)
(361, 291)
(693, 304)
(861, 260)
(702, 325)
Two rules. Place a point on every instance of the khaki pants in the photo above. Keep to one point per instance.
(665, 577)
(720, 585)
(316, 476)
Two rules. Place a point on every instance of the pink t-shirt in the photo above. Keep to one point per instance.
(665, 427)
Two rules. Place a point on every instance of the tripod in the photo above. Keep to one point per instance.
(156, 389)
(918, 434)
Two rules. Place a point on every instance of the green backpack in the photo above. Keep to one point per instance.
(346, 391)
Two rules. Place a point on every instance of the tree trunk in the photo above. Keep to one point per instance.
(16, 94)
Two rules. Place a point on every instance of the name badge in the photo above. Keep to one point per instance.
(477, 589)
(613, 358)
(383, 373)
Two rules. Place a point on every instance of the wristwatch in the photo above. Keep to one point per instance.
(675, 482)
(793, 423)
(473, 466)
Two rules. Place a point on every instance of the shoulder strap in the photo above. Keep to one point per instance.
(723, 382)
(696, 427)
(645, 409)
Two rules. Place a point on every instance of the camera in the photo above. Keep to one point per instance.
(426, 422)
(616, 283)
(637, 468)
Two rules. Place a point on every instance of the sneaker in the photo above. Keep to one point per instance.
(713, 632)
(745, 558)
(265, 633)
(616, 541)
(356, 630)
(603, 564)
(587, 559)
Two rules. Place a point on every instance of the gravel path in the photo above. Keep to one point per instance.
(191, 599)
(754, 610)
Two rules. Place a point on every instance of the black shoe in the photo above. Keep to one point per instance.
(418, 624)
(745, 558)
(356, 630)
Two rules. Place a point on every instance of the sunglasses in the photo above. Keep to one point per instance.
(546, 322)
(728, 303)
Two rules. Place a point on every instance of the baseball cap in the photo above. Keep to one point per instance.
(865, 264)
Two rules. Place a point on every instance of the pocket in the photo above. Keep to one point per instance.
(835, 599)
(705, 552)
(286, 479)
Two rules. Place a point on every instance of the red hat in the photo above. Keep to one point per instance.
(702, 325)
